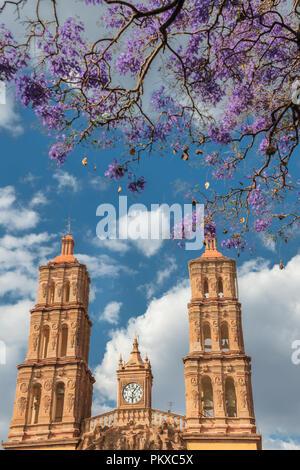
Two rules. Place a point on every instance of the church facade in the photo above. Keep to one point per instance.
(52, 408)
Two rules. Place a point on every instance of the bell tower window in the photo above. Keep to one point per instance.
(205, 289)
(224, 337)
(66, 292)
(51, 292)
(230, 398)
(220, 288)
(35, 402)
(207, 397)
(207, 337)
(45, 342)
(63, 341)
(59, 402)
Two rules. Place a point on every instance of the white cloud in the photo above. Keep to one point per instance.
(111, 313)
(102, 265)
(13, 216)
(119, 246)
(271, 322)
(14, 331)
(39, 199)
(30, 179)
(66, 181)
(99, 183)
(10, 120)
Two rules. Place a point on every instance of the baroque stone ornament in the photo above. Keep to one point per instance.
(133, 437)
(21, 405)
(46, 403)
(48, 385)
(24, 387)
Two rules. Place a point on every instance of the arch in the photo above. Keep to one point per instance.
(66, 292)
(230, 398)
(207, 397)
(224, 336)
(59, 402)
(63, 341)
(206, 337)
(51, 292)
(205, 288)
(45, 341)
(35, 402)
(220, 288)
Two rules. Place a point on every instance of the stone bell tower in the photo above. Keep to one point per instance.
(54, 384)
(134, 381)
(219, 403)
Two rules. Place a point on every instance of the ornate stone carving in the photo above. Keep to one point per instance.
(61, 372)
(21, 405)
(71, 401)
(71, 384)
(74, 288)
(35, 341)
(48, 385)
(44, 290)
(220, 397)
(133, 437)
(46, 403)
(23, 387)
(59, 290)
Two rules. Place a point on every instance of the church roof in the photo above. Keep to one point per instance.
(135, 356)
(67, 251)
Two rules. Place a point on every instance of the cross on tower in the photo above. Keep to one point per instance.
(69, 220)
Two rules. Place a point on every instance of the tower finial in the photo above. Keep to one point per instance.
(135, 343)
(211, 250)
(135, 356)
(67, 250)
(120, 362)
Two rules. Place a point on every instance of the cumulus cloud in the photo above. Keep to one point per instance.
(103, 265)
(39, 199)
(99, 183)
(13, 216)
(10, 120)
(66, 181)
(271, 322)
(111, 313)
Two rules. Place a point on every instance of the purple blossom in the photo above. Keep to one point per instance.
(261, 225)
(115, 170)
(137, 186)
(32, 89)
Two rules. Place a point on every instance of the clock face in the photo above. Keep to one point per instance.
(132, 393)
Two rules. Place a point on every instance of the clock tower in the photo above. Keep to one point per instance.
(134, 381)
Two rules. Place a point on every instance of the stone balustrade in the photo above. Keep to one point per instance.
(137, 416)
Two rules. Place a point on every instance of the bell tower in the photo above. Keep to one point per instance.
(54, 384)
(134, 381)
(219, 403)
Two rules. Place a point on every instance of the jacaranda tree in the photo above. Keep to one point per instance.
(213, 81)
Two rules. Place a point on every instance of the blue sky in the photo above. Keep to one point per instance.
(135, 286)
